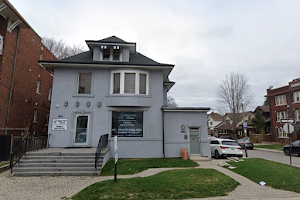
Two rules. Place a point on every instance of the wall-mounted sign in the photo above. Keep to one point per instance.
(60, 125)
(127, 124)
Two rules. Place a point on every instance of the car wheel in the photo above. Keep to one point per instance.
(217, 155)
(286, 152)
(298, 154)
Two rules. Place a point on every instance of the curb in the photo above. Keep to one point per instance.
(270, 150)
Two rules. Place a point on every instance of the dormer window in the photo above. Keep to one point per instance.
(111, 53)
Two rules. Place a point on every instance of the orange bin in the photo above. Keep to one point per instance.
(184, 153)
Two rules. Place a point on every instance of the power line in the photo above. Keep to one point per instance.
(186, 99)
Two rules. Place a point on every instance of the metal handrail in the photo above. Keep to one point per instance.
(18, 152)
(27, 144)
(103, 142)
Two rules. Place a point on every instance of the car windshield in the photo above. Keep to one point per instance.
(231, 143)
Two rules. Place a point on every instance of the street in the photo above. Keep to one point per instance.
(274, 156)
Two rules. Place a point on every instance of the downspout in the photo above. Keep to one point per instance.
(12, 82)
(163, 125)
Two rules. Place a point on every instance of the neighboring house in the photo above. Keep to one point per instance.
(213, 120)
(266, 134)
(112, 89)
(25, 85)
(227, 126)
(284, 102)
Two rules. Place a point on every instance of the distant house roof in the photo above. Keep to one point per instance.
(112, 39)
(216, 116)
(265, 109)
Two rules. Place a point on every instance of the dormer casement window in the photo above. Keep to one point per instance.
(111, 53)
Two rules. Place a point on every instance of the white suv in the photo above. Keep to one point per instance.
(225, 147)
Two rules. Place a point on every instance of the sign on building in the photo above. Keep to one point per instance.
(60, 124)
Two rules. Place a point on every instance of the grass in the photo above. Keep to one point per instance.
(133, 166)
(270, 146)
(3, 163)
(173, 184)
(276, 175)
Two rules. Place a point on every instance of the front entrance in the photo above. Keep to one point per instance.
(194, 141)
(81, 129)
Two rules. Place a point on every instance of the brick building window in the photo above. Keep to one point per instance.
(281, 115)
(280, 100)
(38, 86)
(297, 115)
(281, 133)
(1, 44)
(35, 113)
(49, 93)
(296, 96)
(47, 119)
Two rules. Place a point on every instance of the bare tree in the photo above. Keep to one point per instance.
(234, 92)
(60, 49)
(171, 102)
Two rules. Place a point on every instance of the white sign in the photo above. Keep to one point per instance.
(245, 125)
(60, 125)
(116, 149)
(288, 128)
(283, 121)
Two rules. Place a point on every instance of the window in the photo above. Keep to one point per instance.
(280, 100)
(35, 112)
(1, 44)
(127, 124)
(297, 115)
(111, 53)
(38, 86)
(211, 123)
(85, 81)
(49, 93)
(129, 82)
(41, 55)
(281, 115)
(47, 119)
(296, 96)
(281, 133)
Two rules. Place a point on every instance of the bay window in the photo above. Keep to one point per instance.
(129, 82)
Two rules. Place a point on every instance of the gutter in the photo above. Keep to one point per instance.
(12, 82)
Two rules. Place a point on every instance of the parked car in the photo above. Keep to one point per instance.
(295, 148)
(244, 141)
(226, 137)
(225, 147)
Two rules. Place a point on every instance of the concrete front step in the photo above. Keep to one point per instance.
(55, 169)
(58, 161)
(59, 154)
(57, 157)
(57, 173)
(22, 165)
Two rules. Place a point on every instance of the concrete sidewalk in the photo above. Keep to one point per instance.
(52, 188)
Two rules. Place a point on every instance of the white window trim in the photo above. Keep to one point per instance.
(297, 112)
(284, 100)
(38, 86)
(88, 129)
(111, 54)
(35, 115)
(76, 94)
(278, 118)
(294, 96)
(282, 134)
(122, 82)
(49, 93)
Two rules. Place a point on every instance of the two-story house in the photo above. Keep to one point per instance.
(112, 89)
(285, 103)
(213, 120)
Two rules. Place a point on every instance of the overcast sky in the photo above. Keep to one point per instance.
(205, 39)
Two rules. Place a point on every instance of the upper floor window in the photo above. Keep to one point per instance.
(49, 93)
(84, 82)
(281, 115)
(297, 115)
(129, 82)
(35, 112)
(296, 96)
(111, 53)
(280, 100)
(38, 86)
(1, 44)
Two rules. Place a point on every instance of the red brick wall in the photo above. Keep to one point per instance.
(27, 72)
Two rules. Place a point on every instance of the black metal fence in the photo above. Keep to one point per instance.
(21, 145)
(103, 142)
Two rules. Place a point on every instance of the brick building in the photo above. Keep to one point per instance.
(25, 86)
(285, 103)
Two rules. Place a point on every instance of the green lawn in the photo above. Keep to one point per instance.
(3, 163)
(276, 175)
(174, 184)
(133, 166)
(270, 146)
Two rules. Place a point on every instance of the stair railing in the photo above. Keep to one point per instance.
(103, 142)
(29, 143)
(18, 153)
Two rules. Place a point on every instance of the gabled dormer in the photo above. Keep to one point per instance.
(112, 49)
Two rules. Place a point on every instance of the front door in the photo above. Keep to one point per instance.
(81, 129)
(194, 140)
